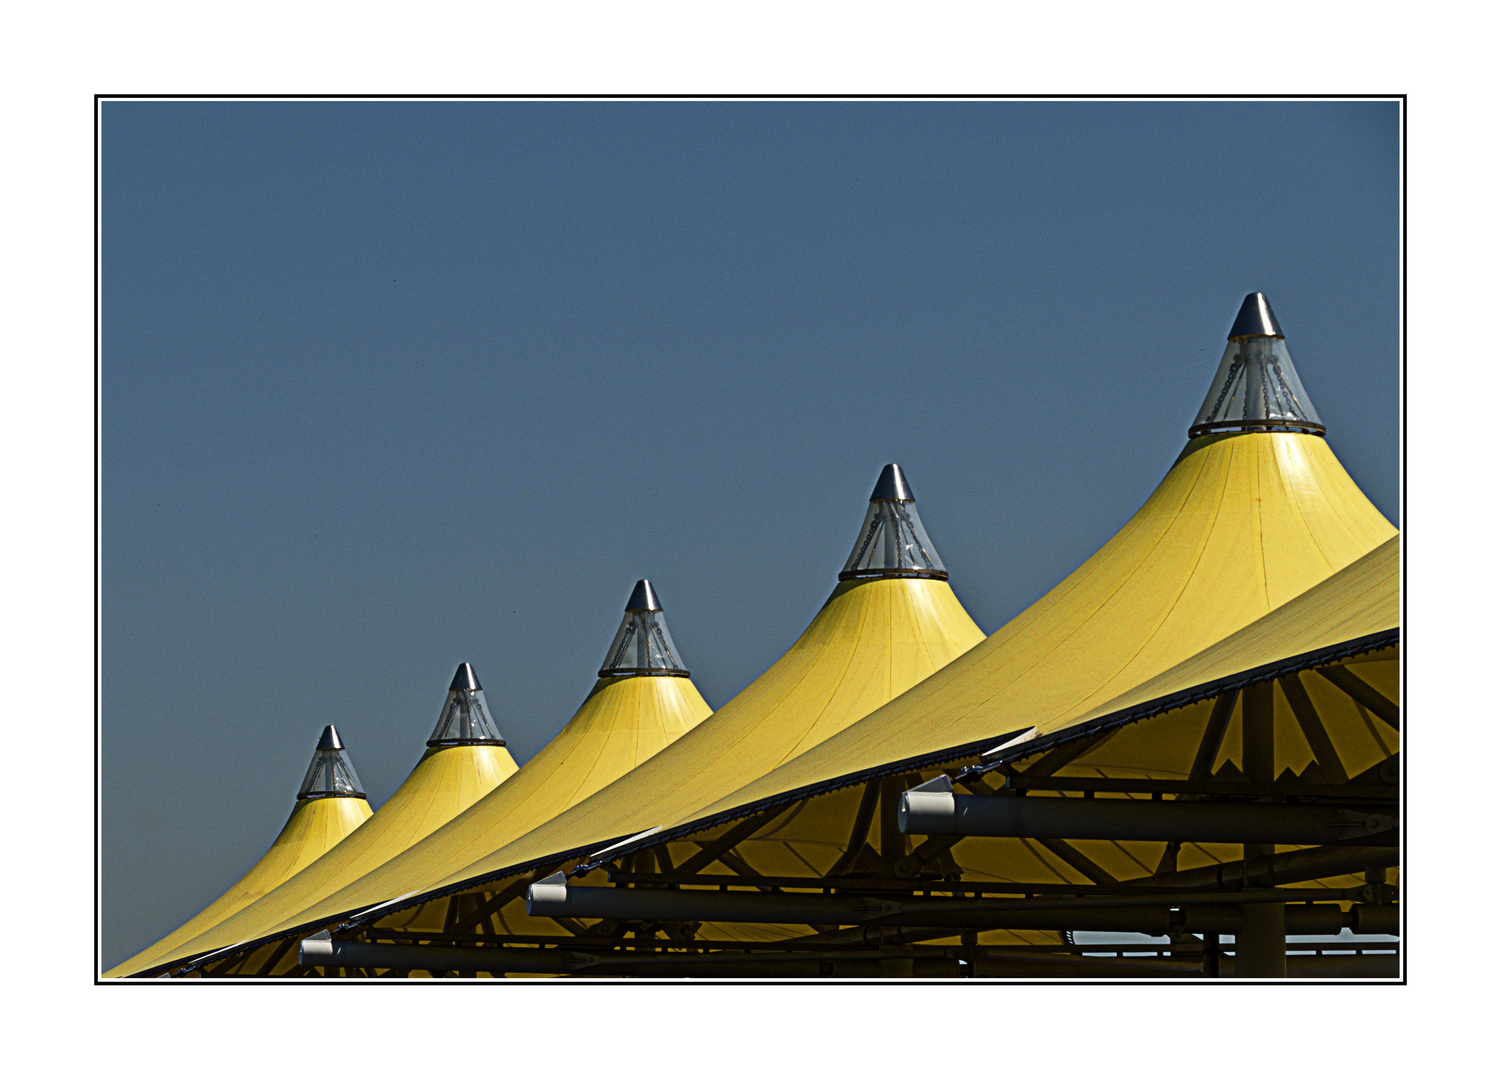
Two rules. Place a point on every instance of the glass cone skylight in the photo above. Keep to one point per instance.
(465, 719)
(642, 645)
(892, 541)
(331, 774)
(1256, 388)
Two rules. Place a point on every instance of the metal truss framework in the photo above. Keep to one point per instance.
(692, 902)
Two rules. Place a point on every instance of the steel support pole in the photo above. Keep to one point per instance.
(1261, 943)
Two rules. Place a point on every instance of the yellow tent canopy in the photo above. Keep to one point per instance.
(466, 758)
(330, 805)
(1319, 674)
(1290, 723)
(891, 621)
(1255, 511)
(644, 700)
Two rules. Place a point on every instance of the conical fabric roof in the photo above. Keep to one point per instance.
(324, 814)
(624, 721)
(873, 639)
(1354, 604)
(446, 780)
(1242, 523)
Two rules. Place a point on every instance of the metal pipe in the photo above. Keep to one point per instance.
(321, 952)
(945, 813)
(553, 897)
(1199, 914)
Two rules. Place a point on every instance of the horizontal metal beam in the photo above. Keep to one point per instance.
(321, 952)
(554, 896)
(930, 810)
(1193, 913)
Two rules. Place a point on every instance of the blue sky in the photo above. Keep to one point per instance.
(388, 386)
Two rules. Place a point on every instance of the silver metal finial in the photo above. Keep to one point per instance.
(330, 740)
(892, 486)
(1255, 319)
(464, 679)
(643, 598)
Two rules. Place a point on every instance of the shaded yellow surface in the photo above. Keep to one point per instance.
(314, 827)
(445, 781)
(872, 640)
(621, 723)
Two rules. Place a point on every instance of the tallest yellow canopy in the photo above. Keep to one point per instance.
(1255, 510)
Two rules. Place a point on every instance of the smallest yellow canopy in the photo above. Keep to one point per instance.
(316, 824)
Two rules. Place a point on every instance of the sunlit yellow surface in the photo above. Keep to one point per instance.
(1240, 525)
(623, 722)
(313, 828)
(872, 640)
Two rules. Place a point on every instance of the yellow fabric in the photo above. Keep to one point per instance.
(621, 723)
(1362, 599)
(872, 640)
(314, 827)
(1241, 524)
(445, 781)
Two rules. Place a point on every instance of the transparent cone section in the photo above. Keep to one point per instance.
(465, 719)
(642, 645)
(331, 774)
(892, 541)
(1256, 387)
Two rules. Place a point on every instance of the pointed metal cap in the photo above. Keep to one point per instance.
(892, 485)
(464, 679)
(1255, 319)
(330, 740)
(643, 598)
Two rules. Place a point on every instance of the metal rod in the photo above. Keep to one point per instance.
(946, 813)
(1364, 693)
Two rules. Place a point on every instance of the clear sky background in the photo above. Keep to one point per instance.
(390, 386)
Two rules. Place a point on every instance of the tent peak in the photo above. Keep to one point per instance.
(642, 645)
(465, 717)
(1256, 387)
(330, 775)
(892, 540)
(465, 679)
(892, 484)
(643, 598)
(1255, 319)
